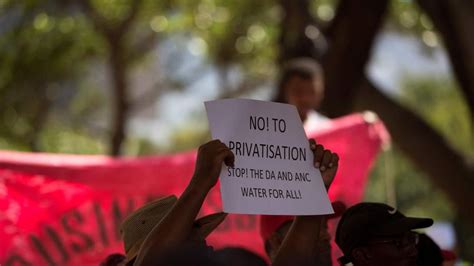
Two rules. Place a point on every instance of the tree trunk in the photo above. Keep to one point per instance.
(118, 76)
(114, 34)
(38, 124)
(293, 41)
(351, 37)
(39, 119)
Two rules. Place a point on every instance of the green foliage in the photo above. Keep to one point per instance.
(140, 146)
(232, 32)
(441, 104)
(57, 138)
(324, 10)
(46, 49)
(42, 51)
(414, 193)
(406, 17)
(187, 138)
(112, 10)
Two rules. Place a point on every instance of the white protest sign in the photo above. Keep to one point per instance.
(274, 171)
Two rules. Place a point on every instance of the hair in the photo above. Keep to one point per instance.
(304, 68)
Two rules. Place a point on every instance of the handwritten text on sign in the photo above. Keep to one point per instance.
(273, 173)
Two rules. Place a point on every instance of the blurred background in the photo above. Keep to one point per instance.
(124, 77)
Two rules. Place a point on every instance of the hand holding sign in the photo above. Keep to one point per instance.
(326, 161)
(209, 163)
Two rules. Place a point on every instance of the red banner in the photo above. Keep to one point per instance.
(66, 209)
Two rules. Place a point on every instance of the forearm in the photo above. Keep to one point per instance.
(300, 242)
(176, 227)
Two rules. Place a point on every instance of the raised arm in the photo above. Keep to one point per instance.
(300, 243)
(176, 226)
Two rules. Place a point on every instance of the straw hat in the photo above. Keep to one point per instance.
(141, 222)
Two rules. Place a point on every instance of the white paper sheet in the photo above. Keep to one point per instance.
(274, 171)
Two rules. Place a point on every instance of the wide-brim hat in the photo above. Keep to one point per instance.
(136, 227)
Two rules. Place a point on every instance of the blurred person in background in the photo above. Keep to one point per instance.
(301, 84)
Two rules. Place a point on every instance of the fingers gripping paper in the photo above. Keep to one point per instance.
(274, 171)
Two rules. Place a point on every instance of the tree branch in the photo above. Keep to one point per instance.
(448, 169)
(142, 47)
(125, 24)
(100, 23)
(293, 41)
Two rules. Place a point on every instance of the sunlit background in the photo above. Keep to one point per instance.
(129, 78)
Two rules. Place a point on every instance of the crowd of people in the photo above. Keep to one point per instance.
(167, 231)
